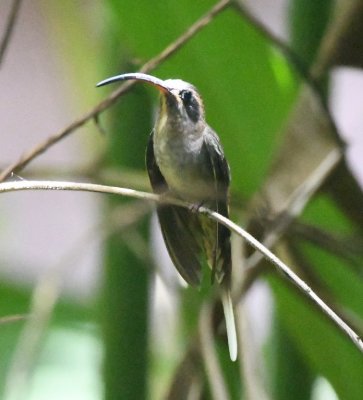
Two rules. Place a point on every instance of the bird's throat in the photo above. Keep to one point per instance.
(180, 159)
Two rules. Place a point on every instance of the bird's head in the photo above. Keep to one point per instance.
(180, 101)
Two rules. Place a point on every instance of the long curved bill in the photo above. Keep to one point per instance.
(160, 84)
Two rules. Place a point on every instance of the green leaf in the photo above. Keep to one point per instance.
(288, 382)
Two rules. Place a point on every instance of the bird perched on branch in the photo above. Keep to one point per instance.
(184, 157)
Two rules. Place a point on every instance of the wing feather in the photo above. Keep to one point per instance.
(221, 263)
(177, 226)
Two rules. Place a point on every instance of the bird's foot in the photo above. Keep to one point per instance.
(194, 208)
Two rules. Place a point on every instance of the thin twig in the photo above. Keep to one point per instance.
(268, 255)
(14, 12)
(13, 318)
(40, 148)
(44, 298)
(217, 384)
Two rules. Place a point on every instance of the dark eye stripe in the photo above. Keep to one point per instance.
(191, 104)
(186, 96)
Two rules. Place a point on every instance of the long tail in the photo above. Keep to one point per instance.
(230, 323)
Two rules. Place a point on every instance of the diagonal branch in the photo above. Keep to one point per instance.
(14, 12)
(268, 255)
(40, 148)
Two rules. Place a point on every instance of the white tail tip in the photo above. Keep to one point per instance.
(230, 323)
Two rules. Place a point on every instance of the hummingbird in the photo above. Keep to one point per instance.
(185, 158)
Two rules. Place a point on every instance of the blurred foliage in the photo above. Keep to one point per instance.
(15, 301)
(308, 21)
(285, 380)
(238, 88)
(125, 305)
(249, 89)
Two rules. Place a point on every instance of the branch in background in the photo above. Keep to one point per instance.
(346, 247)
(47, 291)
(314, 137)
(292, 208)
(251, 370)
(187, 379)
(268, 255)
(218, 387)
(342, 44)
(296, 61)
(14, 12)
(40, 148)
(13, 318)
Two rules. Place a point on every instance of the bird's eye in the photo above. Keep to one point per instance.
(191, 104)
(186, 96)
